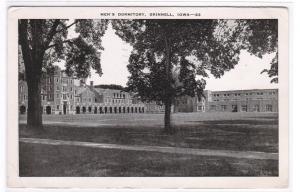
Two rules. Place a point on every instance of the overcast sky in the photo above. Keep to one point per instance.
(245, 75)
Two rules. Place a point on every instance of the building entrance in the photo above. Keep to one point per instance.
(48, 110)
(65, 108)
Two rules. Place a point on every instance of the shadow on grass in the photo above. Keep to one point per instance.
(69, 161)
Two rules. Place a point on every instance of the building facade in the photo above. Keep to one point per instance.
(61, 95)
(254, 100)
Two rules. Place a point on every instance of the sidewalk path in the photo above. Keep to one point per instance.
(178, 150)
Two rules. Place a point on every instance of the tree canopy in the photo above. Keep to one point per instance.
(172, 58)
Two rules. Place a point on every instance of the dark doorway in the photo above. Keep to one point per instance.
(115, 109)
(77, 110)
(83, 109)
(120, 109)
(110, 109)
(128, 110)
(22, 109)
(65, 109)
(100, 110)
(105, 109)
(234, 108)
(48, 110)
(124, 109)
(95, 110)
(90, 109)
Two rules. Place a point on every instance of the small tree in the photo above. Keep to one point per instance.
(169, 55)
(44, 42)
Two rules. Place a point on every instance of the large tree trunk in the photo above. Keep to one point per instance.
(167, 119)
(34, 114)
(33, 54)
(168, 97)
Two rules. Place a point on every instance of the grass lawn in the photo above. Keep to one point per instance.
(232, 131)
(46, 160)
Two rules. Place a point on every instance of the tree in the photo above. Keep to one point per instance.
(44, 42)
(111, 86)
(171, 57)
(262, 38)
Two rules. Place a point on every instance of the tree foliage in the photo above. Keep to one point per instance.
(262, 38)
(196, 48)
(171, 58)
(111, 86)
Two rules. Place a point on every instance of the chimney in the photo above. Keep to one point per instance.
(92, 84)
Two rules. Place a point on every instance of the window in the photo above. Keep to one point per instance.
(64, 96)
(234, 108)
(64, 88)
(71, 88)
(21, 88)
(256, 108)
(244, 108)
(57, 107)
(213, 107)
(200, 108)
(56, 79)
(71, 96)
(223, 107)
(269, 108)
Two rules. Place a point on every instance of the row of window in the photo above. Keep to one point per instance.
(117, 95)
(64, 88)
(239, 94)
(234, 99)
(245, 108)
(63, 80)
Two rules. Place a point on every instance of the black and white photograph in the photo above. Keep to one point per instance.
(163, 94)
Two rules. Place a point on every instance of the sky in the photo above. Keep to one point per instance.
(245, 75)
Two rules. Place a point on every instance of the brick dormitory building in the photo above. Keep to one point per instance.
(61, 94)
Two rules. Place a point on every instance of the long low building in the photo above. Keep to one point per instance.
(252, 100)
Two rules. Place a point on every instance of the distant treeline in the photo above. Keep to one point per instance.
(111, 86)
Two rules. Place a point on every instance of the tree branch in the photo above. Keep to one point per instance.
(67, 26)
(52, 32)
(53, 45)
